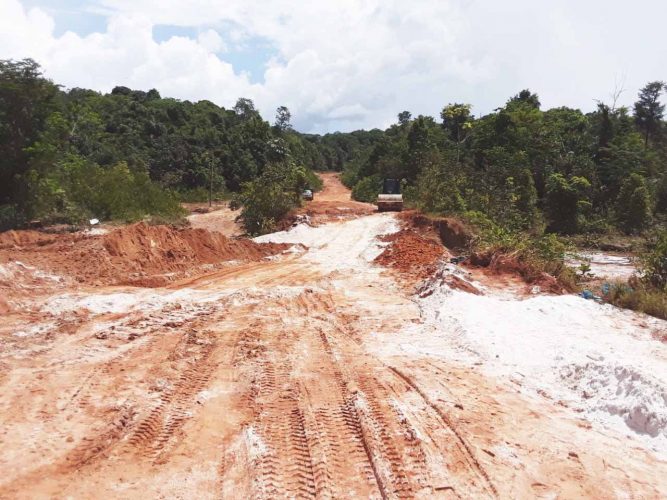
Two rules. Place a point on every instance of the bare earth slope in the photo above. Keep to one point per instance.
(307, 374)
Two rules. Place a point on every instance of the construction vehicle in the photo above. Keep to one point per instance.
(391, 199)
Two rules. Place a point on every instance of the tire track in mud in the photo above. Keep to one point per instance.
(329, 433)
(463, 445)
(155, 433)
(151, 435)
(397, 474)
(348, 414)
(401, 463)
(286, 467)
(312, 437)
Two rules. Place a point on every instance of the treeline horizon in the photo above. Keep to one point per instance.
(558, 170)
(68, 154)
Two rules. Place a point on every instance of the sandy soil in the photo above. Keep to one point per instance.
(220, 218)
(311, 373)
(333, 203)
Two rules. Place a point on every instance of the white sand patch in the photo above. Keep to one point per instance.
(604, 265)
(96, 231)
(340, 246)
(16, 270)
(32, 330)
(599, 359)
(153, 299)
(256, 446)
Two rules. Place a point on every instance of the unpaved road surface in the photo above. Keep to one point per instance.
(311, 373)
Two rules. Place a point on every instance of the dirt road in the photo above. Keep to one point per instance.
(290, 376)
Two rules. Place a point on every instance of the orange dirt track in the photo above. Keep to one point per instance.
(261, 379)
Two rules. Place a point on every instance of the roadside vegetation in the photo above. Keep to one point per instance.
(531, 180)
(646, 292)
(70, 155)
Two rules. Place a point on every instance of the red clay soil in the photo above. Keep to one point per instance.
(331, 204)
(451, 232)
(138, 254)
(455, 235)
(500, 264)
(12, 239)
(411, 254)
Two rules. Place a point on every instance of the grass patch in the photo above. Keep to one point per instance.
(531, 256)
(638, 297)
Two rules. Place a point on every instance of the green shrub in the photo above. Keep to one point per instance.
(349, 177)
(367, 189)
(437, 191)
(654, 264)
(200, 195)
(565, 202)
(9, 217)
(536, 254)
(633, 205)
(269, 198)
(77, 190)
(313, 181)
(638, 297)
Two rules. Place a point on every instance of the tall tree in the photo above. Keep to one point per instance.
(26, 101)
(283, 117)
(457, 120)
(245, 108)
(648, 109)
(634, 204)
(527, 97)
(404, 118)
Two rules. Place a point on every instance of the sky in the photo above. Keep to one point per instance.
(347, 64)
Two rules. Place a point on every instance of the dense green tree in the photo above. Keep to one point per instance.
(245, 108)
(633, 206)
(404, 118)
(46, 135)
(283, 117)
(440, 189)
(528, 98)
(564, 202)
(458, 121)
(420, 148)
(268, 198)
(27, 99)
(517, 166)
(648, 109)
(661, 195)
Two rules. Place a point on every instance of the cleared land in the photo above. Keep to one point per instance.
(303, 364)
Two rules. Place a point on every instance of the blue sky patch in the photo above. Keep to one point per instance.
(70, 15)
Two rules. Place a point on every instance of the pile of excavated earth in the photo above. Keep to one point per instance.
(345, 357)
(411, 253)
(138, 254)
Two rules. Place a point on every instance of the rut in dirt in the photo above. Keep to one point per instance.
(342, 426)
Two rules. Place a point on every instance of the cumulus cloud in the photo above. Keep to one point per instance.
(356, 63)
(211, 41)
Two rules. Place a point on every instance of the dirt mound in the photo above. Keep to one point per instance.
(411, 253)
(12, 239)
(500, 263)
(452, 232)
(154, 247)
(138, 254)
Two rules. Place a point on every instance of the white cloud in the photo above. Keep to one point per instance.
(357, 63)
(211, 41)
